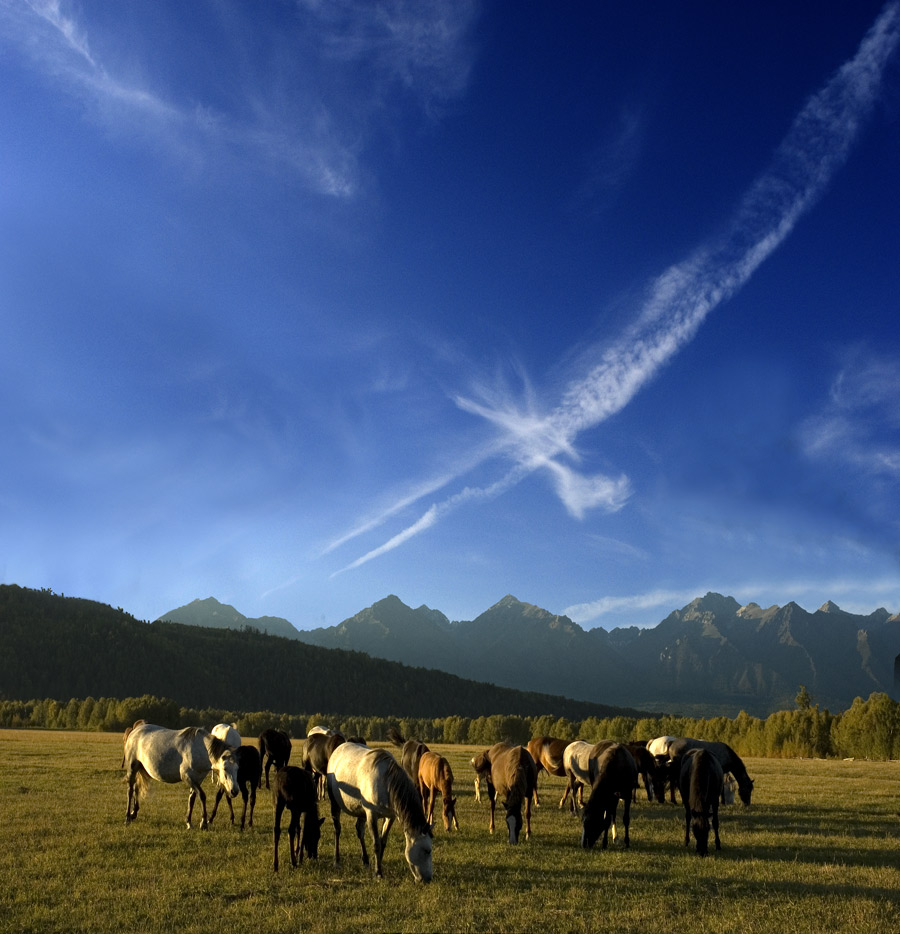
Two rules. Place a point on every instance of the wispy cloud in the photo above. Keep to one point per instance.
(535, 437)
(864, 403)
(356, 56)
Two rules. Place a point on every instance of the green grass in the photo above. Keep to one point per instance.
(818, 851)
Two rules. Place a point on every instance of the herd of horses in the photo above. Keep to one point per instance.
(371, 785)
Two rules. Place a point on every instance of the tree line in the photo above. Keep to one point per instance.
(868, 729)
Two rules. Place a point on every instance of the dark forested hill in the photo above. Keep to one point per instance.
(61, 647)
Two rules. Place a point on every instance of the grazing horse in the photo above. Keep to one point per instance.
(701, 786)
(249, 768)
(187, 755)
(654, 776)
(616, 777)
(316, 753)
(511, 772)
(726, 756)
(370, 784)
(294, 788)
(435, 775)
(579, 761)
(547, 753)
(411, 751)
(274, 749)
(227, 732)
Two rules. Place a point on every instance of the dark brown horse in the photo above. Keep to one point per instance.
(701, 787)
(317, 751)
(435, 775)
(294, 789)
(411, 751)
(652, 774)
(248, 775)
(274, 749)
(547, 752)
(725, 756)
(512, 774)
(616, 776)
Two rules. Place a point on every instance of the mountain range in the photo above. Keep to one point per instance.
(712, 656)
(58, 647)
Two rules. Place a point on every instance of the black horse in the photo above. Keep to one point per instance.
(274, 749)
(701, 787)
(248, 775)
(294, 788)
(616, 777)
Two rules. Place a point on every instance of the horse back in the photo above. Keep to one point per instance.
(616, 769)
(514, 771)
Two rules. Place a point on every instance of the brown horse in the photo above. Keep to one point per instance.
(316, 753)
(411, 751)
(511, 772)
(435, 775)
(616, 776)
(547, 753)
(274, 749)
(700, 783)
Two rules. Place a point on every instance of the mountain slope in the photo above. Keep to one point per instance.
(215, 615)
(62, 647)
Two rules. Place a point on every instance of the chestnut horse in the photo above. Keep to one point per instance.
(435, 775)
(511, 772)
(547, 752)
(411, 751)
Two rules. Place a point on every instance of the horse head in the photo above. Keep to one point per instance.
(745, 790)
(312, 831)
(514, 822)
(449, 812)
(225, 769)
(418, 855)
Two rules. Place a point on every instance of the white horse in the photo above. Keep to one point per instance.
(660, 745)
(227, 732)
(580, 763)
(187, 755)
(370, 784)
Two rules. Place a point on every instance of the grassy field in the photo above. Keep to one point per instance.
(818, 851)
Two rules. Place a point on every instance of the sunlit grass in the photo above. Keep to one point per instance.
(818, 851)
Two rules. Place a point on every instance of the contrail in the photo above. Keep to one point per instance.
(679, 300)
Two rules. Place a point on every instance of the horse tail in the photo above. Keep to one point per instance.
(395, 736)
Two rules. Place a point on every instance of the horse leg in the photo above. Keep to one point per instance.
(131, 808)
(294, 836)
(361, 834)
(492, 794)
(192, 796)
(562, 800)
(687, 824)
(715, 823)
(372, 822)
(528, 815)
(612, 818)
(252, 796)
(219, 794)
(279, 807)
(336, 820)
(385, 830)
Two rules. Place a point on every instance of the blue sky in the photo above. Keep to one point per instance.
(305, 303)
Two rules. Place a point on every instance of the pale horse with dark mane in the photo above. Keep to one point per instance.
(187, 755)
(370, 785)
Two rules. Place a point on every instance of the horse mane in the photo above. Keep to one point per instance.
(189, 732)
(406, 802)
(217, 747)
